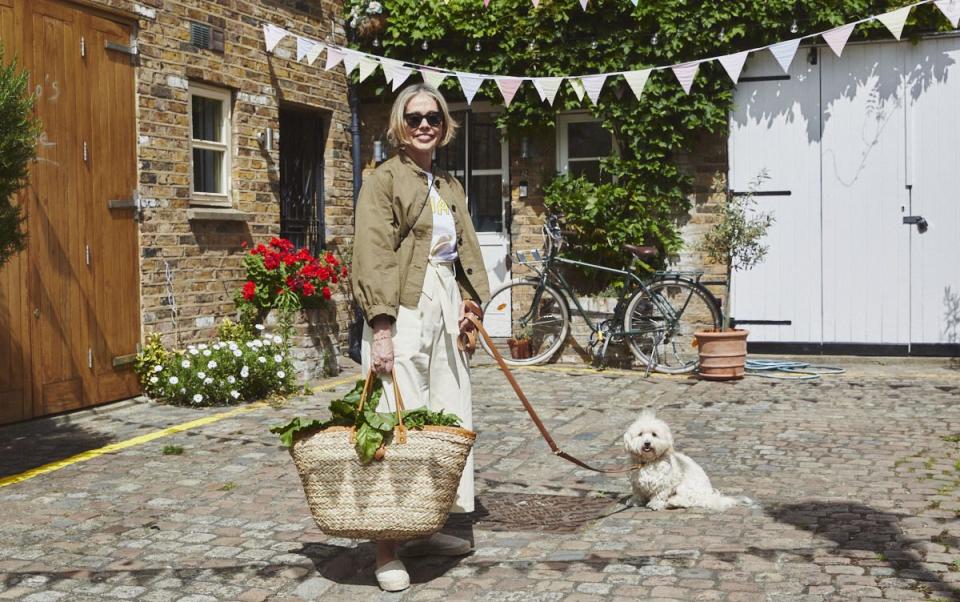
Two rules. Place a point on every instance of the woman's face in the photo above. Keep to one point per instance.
(422, 109)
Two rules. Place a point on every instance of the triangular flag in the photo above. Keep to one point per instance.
(334, 56)
(547, 87)
(837, 38)
(784, 53)
(395, 71)
(368, 64)
(593, 84)
(303, 47)
(508, 87)
(578, 88)
(314, 53)
(583, 4)
(433, 77)
(733, 64)
(685, 74)
(895, 20)
(351, 58)
(272, 35)
(950, 10)
(637, 80)
(634, 2)
(536, 3)
(486, 3)
(470, 84)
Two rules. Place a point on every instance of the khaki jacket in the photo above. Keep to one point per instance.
(388, 267)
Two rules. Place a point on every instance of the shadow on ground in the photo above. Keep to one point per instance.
(32, 444)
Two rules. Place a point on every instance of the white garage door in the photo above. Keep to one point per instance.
(854, 147)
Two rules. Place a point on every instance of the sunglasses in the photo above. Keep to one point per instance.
(434, 119)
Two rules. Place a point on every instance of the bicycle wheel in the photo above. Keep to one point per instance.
(523, 308)
(659, 323)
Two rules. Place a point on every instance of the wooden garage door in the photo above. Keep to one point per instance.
(72, 303)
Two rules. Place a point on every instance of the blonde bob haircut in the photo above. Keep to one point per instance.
(398, 134)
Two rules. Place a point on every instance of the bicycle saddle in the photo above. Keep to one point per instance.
(641, 252)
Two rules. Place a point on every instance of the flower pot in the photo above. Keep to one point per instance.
(519, 348)
(722, 354)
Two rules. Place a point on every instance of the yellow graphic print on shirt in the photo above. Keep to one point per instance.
(439, 205)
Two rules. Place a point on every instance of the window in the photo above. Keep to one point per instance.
(581, 144)
(210, 145)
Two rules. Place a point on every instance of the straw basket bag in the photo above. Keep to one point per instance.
(405, 494)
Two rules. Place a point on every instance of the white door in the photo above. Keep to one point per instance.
(865, 252)
(479, 158)
(775, 127)
(872, 139)
(933, 95)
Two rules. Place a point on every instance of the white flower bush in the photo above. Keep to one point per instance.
(238, 366)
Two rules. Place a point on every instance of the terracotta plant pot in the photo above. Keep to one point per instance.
(519, 348)
(722, 354)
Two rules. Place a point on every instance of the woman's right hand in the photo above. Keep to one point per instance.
(381, 351)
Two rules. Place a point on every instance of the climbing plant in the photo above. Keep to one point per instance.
(511, 37)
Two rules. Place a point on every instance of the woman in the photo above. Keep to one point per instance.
(416, 259)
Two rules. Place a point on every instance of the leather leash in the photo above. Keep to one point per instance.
(471, 314)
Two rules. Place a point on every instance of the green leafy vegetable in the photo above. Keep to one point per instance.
(373, 428)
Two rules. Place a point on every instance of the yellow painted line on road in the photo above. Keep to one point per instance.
(121, 445)
(140, 440)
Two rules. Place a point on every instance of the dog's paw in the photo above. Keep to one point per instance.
(657, 505)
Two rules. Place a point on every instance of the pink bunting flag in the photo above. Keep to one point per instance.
(395, 72)
(637, 80)
(351, 58)
(685, 74)
(272, 35)
(895, 20)
(432, 76)
(950, 10)
(508, 87)
(334, 56)
(314, 53)
(583, 4)
(733, 64)
(593, 84)
(368, 64)
(784, 53)
(578, 88)
(304, 46)
(837, 38)
(536, 3)
(470, 84)
(486, 3)
(547, 87)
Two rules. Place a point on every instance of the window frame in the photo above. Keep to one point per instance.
(225, 96)
(563, 150)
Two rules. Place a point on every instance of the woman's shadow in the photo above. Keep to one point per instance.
(354, 565)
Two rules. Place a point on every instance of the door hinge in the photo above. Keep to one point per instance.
(83, 46)
(132, 203)
(124, 360)
(89, 358)
(118, 47)
(87, 253)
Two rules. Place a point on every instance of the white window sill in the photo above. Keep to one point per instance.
(222, 214)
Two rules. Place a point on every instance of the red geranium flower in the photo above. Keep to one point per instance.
(308, 289)
(249, 290)
(271, 260)
(326, 293)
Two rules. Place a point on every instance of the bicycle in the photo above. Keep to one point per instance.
(656, 317)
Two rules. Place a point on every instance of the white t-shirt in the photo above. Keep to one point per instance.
(443, 245)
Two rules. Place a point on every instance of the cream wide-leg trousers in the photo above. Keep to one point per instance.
(431, 370)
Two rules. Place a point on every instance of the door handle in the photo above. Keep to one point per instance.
(921, 223)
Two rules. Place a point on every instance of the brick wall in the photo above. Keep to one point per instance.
(190, 268)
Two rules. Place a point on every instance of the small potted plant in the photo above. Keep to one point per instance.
(520, 345)
(735, 242)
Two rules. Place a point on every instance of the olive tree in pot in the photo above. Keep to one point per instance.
(735, 242)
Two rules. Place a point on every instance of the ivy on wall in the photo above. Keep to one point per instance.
(511, 37)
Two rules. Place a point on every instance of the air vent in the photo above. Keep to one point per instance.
(206, 37)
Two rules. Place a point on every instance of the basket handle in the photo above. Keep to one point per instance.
(400, 431)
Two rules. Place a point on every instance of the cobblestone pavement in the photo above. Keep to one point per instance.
(856, 476)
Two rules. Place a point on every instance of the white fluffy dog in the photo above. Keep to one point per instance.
(667, 478)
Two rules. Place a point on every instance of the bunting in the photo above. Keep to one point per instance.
(895, 20)
(637, 80)
(950, 10)
(508, 87)
(685, 74)
(590, 85)
(547, 87)
(593, 84)
(837, 38)
(733, 64)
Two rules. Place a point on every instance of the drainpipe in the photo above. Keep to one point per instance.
(353, 98)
